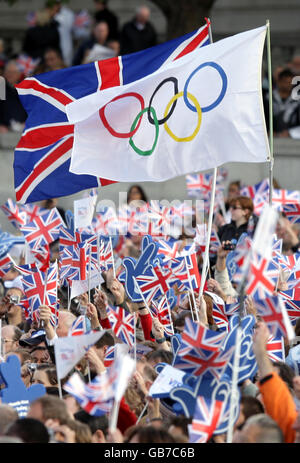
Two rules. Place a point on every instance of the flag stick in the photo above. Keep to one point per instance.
(112, 256)
(170, 316)
(114, 416)
(192, 291)
(209, 226)
(271, 163)
(211, 207)
(59, 388)
(89, 274)
(235, 370)
(142, 296)
(192, 312)
(142, 412)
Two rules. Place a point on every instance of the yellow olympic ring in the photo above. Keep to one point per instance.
(199, 112)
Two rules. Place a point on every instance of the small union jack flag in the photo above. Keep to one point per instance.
(95, 397)
(106, 222)
(43, 229)
(219, 315)
(78, 326)
(270, 311)
(154, 282)
(6, 263)
(292, 303)
(199, 185)
(187, 272)
(122, 324)
(262, 277)
(109, 356)
(201, 348)
(259, 189)
(12, 211)
(275, 349)
(168, 249)
(207, 417)
(32, 211)
(283, 197)
(292, 212)
(82, 19)
(26, 64)
(41, 289)
(162, 311)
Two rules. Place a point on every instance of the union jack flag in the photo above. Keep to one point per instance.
(168, 249)
(43, 229)
(132, 221)
(32, 211)
(82, 19)
(154, 282)
(95, 397)
(106, 255)
(122, 324)
(43, 153)
(41, 289)
(292, 212)
(262, 277)
(162, 311)
(270, 311)
(106, 222)
(219, 315)
(201, 348)
(259, 189)
(231, 309)
(109, 356)
(6, 264)
(275, 349)
(78, 326)
(292, 303)
(282, 197)
(78, 269)
(12, 211)
(207, 418)
(199, 185)
(187, 272)
(26, 64)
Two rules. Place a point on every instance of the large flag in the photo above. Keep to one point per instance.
(164, 125)
(42, 156)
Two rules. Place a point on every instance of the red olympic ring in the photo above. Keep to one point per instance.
(109, 128)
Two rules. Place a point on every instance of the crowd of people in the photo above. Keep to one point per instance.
(269, 400)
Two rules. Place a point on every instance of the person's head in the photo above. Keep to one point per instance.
(40, 354)
(49, 407)
(285, 372)
(12, 73)
(142, 14)
(158, 356)
(241, 209)
(8, 415)
(100, 4)
(53, 59)
(10, 335)
(65, 320)
(136, 193)
(30, 430)
(49, 203)
(259, 429)
(14, 311)
(149, 435)
(101, 32)
(23, 355)
(101, 346)
(249, 406)
(83, 433)
(45, 374)
(295, 65)
(178, 426)
(98, 425)
(180, 321)
(233, 190)
(284, 81)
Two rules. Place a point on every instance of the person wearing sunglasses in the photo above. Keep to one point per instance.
(241, 209)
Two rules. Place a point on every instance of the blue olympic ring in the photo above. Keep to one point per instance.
(222, 93)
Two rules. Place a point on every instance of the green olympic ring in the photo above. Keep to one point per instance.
(140, 115)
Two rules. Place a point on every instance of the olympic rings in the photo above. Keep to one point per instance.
(168, 130)
(152, 116)
(156, 123)
(109, 128)
(222, 93)
(162, 121)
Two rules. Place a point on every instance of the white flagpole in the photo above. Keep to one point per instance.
(112, 256)
(114, 416)
(211, 212)
(234, 397)
(271, 163)
(89, 274)
(192, 291)
(142, 412)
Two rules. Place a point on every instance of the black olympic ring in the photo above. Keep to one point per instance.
(162, 121)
